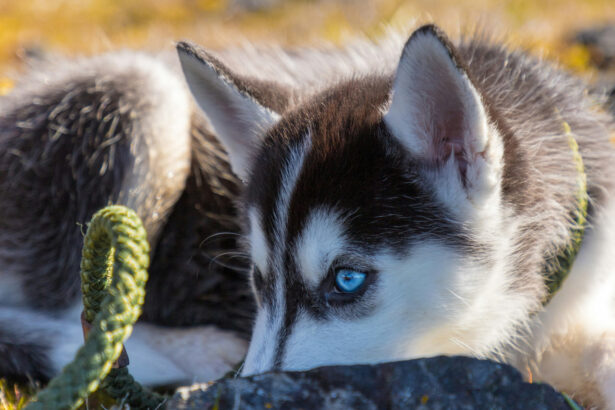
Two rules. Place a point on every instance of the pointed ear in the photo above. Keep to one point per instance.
(438, 115)
(231, 103)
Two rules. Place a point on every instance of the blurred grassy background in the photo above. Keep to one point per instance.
(82, 27)
(93, 26)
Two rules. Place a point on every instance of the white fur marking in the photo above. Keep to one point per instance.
(158, 355)
(258, 243)
(202, 353)
(292, 169)
(321, 240)
(269, 320)
(261, 353)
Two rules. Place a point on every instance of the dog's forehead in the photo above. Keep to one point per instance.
(335, 154)
(332, 121)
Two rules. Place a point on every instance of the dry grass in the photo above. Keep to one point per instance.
(14, 396)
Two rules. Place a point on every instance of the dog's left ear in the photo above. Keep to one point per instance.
(438, 115)
(240, 109)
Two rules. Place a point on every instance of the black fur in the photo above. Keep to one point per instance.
(196, 275)
(23, 357)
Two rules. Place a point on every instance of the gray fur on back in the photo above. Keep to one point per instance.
(74, 138)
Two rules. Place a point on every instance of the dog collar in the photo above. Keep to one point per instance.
(558, 268)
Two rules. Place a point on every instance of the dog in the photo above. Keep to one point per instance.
(77, 134)
(422, 207)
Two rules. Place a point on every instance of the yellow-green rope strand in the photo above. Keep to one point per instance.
(113, 274)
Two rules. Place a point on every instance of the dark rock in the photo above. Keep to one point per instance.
(433, 383)
(601, 43)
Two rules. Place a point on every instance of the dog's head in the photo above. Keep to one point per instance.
(371, 210)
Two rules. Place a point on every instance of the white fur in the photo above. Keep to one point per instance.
(267, 328)
(290, 173)
(158, 355)
(322, 239)
(167, 114)
(269, 320)
(202, 353)
(424, 305)
(258, 243)
(573, 339)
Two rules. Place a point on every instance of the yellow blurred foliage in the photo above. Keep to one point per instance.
(5, 85)
(576, 57)
(93, 26)
(14, 397)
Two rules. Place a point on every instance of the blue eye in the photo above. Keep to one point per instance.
(349, 281)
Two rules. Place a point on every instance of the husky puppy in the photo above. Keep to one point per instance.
(417, 208)
(78, 134)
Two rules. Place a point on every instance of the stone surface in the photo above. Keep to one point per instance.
(432, 383)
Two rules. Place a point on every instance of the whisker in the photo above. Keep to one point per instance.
(464, 345)
(461, 298)
(233, 255)
(239, 369)
(217, 235)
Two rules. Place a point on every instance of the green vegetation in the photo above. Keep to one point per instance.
(15, 396)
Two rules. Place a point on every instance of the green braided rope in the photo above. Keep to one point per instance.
(560, 269)
(120, 385)
(113, 275)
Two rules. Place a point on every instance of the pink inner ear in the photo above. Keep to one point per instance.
(435, 105)
(447, 121)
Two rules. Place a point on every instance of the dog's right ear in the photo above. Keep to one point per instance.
(438, 115)
(234, 105)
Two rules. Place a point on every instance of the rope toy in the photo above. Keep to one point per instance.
(114, 266)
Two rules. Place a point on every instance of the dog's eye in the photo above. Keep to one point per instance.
(349, 281)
